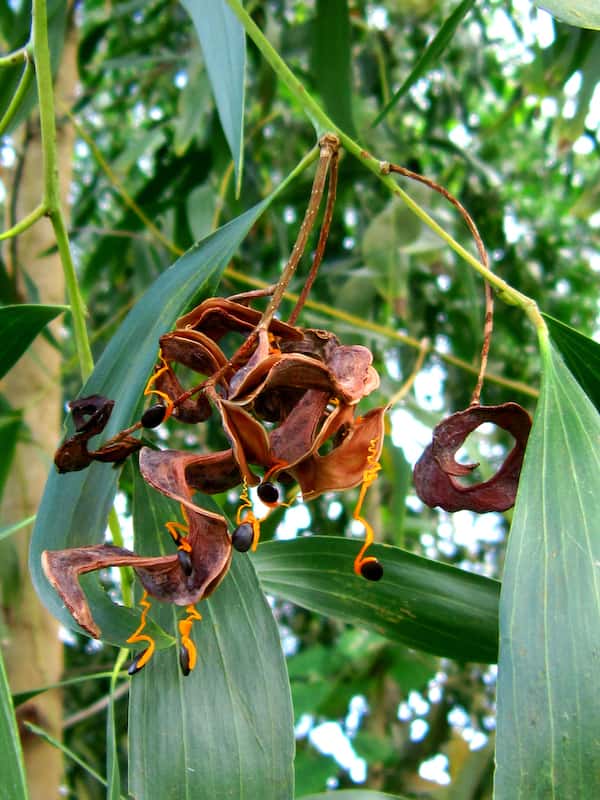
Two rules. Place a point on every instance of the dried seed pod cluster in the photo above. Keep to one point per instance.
(285, 395)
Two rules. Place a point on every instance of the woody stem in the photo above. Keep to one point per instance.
(329, 145)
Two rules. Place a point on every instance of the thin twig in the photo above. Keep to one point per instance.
(17, 98)
(323, 236)
(489, 298)
(329, 144)
(95, 708)
(25, 223)
(418, 365)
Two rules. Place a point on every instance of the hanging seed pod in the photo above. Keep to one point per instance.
(153, 416)
(372, 569)
(184, 660)
(268, 493)
(185, 562)
(242, 537)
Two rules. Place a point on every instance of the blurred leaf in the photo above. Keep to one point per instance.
(581, 355)
(200, 205)
(354, 794)
(549, 676)
(13, 786)
(75, 506)
(223, 43)
(230, 724)
(313, 769)
(581, 13)
(374, 748)
(11, 425)
(19, 325)
(193, 109)
(331, 61)
(425, 604)
(430, 55)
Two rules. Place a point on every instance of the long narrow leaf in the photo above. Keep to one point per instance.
(354, 794)
(75, 506)
(223, 43)
(581, 355)
(581, 13)
(12, 785)
(425, 604)
(230, 722)
(430, 55)
(549, 676)
(19, 325)
(332, 60)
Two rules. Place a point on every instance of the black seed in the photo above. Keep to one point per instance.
(268, 492)
(153, 416)
(184, 660)
(133, 667)
(242, 537)
(372, 570)
(185, 561)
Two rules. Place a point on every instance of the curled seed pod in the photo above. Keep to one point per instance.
(372, 570)
(153, 416)
(268, 493)
(133, 667)
(184, 660)
(242, 537)
(185, 562)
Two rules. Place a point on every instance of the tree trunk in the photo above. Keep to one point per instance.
(33, 650)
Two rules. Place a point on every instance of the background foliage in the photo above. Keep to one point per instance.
(505, 116)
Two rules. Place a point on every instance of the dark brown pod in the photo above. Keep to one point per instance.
(436, 470)
(90, 414)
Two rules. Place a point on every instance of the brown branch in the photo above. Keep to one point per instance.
(489, 298)
(329, 145)
(323, 236)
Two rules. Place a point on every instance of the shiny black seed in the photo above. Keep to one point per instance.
(185, 561)
(153, 416)
(372, 570)
(242, 537)
(133, 667)
(184, 660)
(268, 492)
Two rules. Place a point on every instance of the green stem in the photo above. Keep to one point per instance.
(25, 223)
(51, 201)
(117, 537)
(17, 98)
(380, 168)
(14, 58)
